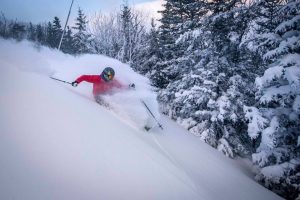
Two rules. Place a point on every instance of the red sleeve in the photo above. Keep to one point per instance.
(88, 78)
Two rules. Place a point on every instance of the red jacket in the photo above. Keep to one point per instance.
(99, 85)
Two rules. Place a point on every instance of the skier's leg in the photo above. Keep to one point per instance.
(101, 102)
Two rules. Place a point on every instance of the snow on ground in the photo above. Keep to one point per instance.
(57, 143)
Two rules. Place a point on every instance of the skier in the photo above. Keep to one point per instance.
(102, 83)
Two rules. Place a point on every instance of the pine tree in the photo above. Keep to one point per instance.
(54, 33)
(3, 26)
(68, 42)
(126, 17)
(153, 40)
(168, 31)
(31, 32)
(57, 31)
(278, 154)
(194, 11)
(49, 35)
(178, 17)
(219, 6)
(17, 31)
(212, 84)
(81, 36)
(40, 34)
(148, 55)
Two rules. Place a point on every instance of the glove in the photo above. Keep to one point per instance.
(74, 84)
(132, 85)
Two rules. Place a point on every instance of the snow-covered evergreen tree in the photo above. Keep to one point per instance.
(40, 34)
(278, 154)
(133, 34)
(57, 31)
(149, 53)
(219, 6)
(126, 17)
(210, 88)
(54, 33)
(193, 11)
(208, 96)
(17, 30)
(68, 42)
(31, 32)
(81, 36)
(176, 19)
(168, 30)
(3, 26)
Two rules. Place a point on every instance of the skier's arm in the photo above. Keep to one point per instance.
(117, 84)
(87, 78)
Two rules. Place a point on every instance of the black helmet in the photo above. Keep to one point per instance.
(108, 74)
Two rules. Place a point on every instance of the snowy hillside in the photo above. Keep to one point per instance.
(57, 143)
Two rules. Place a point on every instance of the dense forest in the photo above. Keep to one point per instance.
(226, 70)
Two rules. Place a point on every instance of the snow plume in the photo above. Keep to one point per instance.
(21, 54)
(48, 62)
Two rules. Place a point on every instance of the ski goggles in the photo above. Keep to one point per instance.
(108, 76)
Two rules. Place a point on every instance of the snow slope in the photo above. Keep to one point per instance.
(57, 143)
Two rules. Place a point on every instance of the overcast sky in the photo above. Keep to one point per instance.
(37, 11)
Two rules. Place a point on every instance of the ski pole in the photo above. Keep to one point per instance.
(160, 126)
(61, 80)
